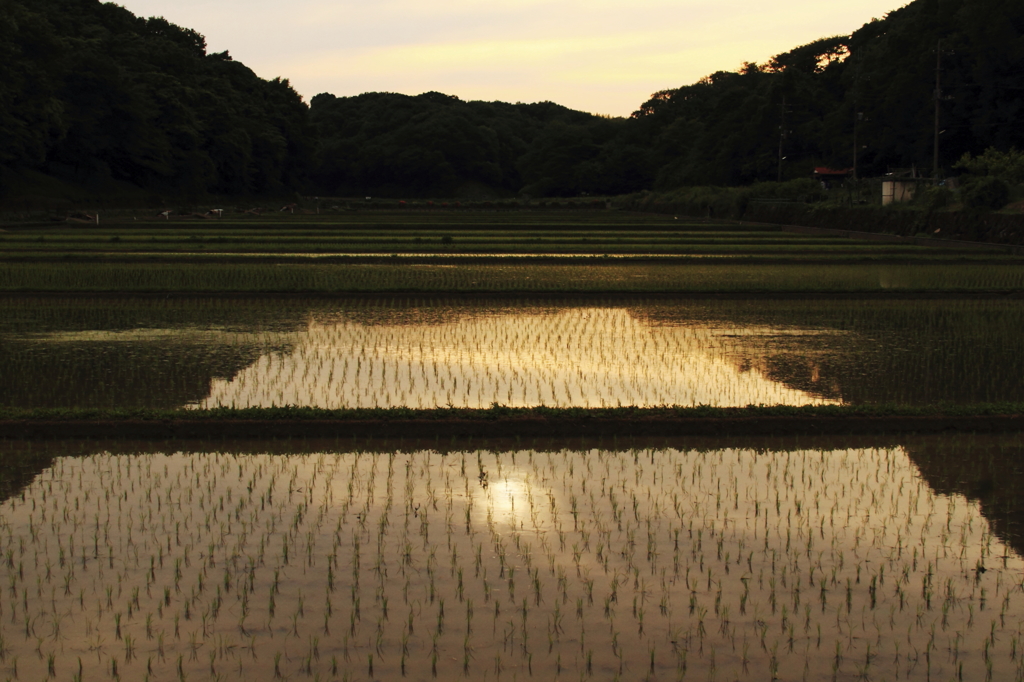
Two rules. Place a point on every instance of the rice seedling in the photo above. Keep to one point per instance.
(426, 353)
(799, 561)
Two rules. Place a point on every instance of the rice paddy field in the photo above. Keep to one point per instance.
(497, 252)
(859, 557)
(772, 560)
(425, 352)
(476, 232)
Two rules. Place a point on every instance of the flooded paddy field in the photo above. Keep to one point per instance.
(472, 352)
(802, 559)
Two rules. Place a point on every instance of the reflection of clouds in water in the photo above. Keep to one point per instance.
(590, 357)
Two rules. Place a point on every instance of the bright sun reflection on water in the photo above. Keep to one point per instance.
(731, 562)
(588, 357)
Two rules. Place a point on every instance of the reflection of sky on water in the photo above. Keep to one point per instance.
(156, 353)
(668, 550)
(592, 357)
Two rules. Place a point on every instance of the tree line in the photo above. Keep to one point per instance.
(88, 90)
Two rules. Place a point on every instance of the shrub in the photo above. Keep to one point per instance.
(986, 193)
(1007, 166)
(934, 198)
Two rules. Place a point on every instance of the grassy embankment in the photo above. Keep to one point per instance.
(497, 412)
(504, 422)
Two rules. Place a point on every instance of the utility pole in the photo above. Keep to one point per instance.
(782, 136)
(857, 116)
(938, 98)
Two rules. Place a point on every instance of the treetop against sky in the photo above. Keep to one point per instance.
(602, 56)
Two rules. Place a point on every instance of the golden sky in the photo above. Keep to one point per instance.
(601, 56)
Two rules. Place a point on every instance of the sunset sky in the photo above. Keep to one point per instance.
(601, 56)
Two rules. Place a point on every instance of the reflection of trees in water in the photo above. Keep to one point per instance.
(910, 352)
(858, 351)
(911, 372)
(985, 468)
(133, 352)
(803, 370)
(30, 315)
(145, 374)
(20, 463)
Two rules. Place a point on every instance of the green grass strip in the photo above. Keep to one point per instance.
(499, 412)
(509, 278)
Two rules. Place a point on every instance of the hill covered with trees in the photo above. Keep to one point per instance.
(89, 92)
(435, 144)
(878, 84)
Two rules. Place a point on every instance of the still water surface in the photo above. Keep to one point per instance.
(474, 352)
(813, 561)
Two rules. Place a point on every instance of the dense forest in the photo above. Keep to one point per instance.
(437, 144)
(90, 92)
(878, 84)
